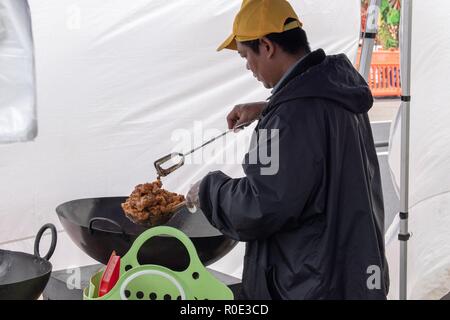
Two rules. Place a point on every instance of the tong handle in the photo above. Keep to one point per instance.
(242, 125)
(164, 172)
(235, 129)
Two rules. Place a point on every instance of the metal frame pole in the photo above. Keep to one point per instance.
(405, 59)
(369, 38)
(364, 69)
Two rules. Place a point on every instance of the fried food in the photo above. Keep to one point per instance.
(150, 204)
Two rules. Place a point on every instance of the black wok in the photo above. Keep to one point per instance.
(98, 226)
(24, 276)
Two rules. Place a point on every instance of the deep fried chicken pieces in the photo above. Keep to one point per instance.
(151, 204)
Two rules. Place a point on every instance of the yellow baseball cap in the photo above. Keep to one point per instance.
(258, 18)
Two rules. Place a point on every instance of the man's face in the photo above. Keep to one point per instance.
(258, 63)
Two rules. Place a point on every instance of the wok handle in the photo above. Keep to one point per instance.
(91, 222)
(37, 241)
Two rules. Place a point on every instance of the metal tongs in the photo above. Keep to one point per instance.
(164, 172)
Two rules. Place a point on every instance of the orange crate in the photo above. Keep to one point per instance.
(384, 76)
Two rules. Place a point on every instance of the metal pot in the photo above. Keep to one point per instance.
(98, 226)
(24, 276)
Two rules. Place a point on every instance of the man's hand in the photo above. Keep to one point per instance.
(246, 112)
(192, 199)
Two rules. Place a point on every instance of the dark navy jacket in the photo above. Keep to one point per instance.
(314, 229)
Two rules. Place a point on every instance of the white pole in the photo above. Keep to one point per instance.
(369, 38)
(405, 68)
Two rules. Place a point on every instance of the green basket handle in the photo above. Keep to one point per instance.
(141, 273)
(194, 260)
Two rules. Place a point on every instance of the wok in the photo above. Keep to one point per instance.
(98, 226)
(24, 276)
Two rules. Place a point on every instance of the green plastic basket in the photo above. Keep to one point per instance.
(153, 282)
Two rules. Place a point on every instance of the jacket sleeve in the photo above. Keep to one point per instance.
(273, 194)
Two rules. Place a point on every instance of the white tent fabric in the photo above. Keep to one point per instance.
(17, 84)
(429, 197)
(121, 83)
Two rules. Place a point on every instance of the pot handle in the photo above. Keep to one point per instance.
(37, 241)
(91, 222)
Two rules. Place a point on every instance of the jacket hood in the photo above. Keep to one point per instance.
(328, 77)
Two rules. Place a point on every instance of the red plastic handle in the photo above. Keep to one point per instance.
(110, 275)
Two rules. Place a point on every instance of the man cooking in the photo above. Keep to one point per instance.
(314, 227)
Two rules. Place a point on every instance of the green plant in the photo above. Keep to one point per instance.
(389, 21)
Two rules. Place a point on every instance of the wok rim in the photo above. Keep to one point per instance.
(69, 217)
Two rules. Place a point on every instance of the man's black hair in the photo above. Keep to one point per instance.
(291, 41)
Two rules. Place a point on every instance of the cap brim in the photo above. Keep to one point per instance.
(229, 43)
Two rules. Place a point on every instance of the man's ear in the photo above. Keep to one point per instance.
(267, 47)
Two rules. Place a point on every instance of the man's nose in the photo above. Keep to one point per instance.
(248, 68)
